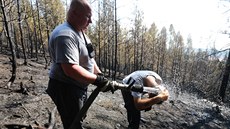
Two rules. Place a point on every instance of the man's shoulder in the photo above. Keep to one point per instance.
(64, 30)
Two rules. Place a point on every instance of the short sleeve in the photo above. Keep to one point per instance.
(67, 50)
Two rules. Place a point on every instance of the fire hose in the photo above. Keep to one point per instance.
(94, 94)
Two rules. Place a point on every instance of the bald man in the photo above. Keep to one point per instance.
(73, 66)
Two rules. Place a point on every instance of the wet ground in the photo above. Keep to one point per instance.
(25, 105)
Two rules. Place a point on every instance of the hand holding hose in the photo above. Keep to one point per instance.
(104, 84)
(163, 94)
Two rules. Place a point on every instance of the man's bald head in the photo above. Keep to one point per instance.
(78, 10)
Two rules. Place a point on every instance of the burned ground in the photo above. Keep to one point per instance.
(26, 105)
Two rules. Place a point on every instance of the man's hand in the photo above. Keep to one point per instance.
(164, 96)
(104, 84)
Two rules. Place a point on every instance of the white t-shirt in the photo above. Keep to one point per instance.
(137, 78)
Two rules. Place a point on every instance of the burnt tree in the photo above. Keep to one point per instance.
(225, 78)
(12, 45)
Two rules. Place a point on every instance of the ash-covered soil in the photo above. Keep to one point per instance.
(26, 105)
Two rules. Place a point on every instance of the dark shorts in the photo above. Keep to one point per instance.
(68, 98)
(133, 115)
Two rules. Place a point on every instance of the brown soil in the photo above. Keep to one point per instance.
(25, 105)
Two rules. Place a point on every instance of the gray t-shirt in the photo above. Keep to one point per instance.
(137, 77)
(68, 46)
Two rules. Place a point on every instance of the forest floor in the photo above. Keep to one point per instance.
(26, 105)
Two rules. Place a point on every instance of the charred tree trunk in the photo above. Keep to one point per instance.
(47, 24)
(30, 45)
(21, 34)
(99, 36)
(35, 32)
(225, 80)
(1, 44)
(40, 36)
(12, 46)
(115, 60)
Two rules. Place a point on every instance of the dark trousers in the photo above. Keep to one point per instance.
(133, 115)
(69, 99)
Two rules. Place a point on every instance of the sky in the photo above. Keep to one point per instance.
(200, 18)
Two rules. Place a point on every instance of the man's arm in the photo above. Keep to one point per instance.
(78, 73)
(144, 103)
(82, 75)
